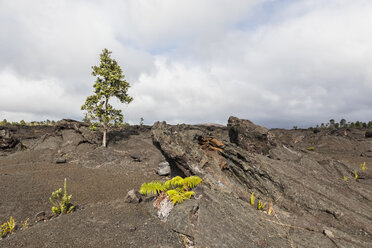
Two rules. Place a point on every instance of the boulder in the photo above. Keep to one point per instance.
(7, 140)
(61, 160)
(249, 136)
(368, 134)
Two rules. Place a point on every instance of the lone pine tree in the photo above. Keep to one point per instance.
(110, 82)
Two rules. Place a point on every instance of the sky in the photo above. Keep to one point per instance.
(278, 63)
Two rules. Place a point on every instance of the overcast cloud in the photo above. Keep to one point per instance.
(278, 63)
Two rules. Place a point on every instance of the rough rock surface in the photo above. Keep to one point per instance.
(250, 136)
(308, 202)
(306, 188)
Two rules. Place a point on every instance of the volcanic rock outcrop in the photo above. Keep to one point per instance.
(311, 204)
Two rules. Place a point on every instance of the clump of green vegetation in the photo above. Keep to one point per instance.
(178, 189)
(62, 202)
(345, 178)
(261, 205)
(252, 199)
(25, 224)
(311, 148)
(363, 166)
(7, 227)
(355, 175)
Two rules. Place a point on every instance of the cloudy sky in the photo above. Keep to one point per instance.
(278, 63)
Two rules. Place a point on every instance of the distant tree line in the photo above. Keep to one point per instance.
(344, 124)
(32, 123)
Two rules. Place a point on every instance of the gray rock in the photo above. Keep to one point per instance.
(328, 233)
(133, 196)
(61, 160)
(164, 169)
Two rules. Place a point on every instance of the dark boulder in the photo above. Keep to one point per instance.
(368, 134)
(7, 140)
(249, 136)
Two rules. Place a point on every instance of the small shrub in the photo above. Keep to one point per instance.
(311, 148)
(178, 189)
(7, 227)
(62, 202)
(345, 178)
(355, 175)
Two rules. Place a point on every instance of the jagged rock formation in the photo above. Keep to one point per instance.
(312, 204)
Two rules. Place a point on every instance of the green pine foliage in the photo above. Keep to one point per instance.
(178, 189)
(61, 202)
(110, 83)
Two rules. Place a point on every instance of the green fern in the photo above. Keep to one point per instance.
(192, 181)
(188, 194)
(174, 182)
(176, 188)
(155, 187)
(177, 198)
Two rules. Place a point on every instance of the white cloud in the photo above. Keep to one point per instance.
(278, 63)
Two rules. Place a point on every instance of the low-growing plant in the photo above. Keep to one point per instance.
(252, 199)
(261, 205)
(62, 202)
(345, 178)
(25, 224)
(363, 166)
(178, 189)
(7, 227)
(311, 148)
(355, 175)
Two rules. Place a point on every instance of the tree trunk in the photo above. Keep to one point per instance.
(104, 137)
(105, 126)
